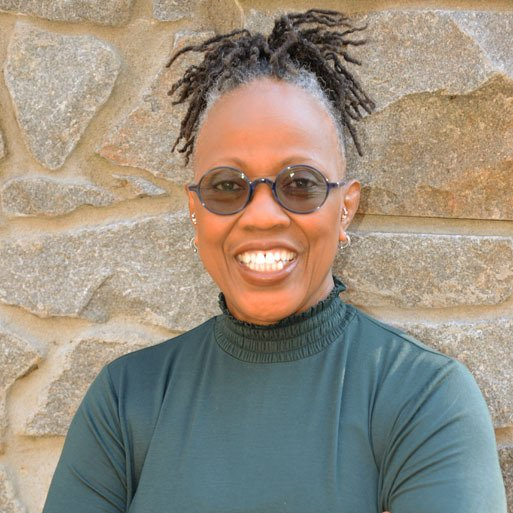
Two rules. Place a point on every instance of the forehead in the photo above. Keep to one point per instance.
(265, 125)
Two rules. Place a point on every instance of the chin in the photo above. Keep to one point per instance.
(264, 311)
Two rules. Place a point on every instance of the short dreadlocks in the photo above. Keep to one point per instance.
(303, 48)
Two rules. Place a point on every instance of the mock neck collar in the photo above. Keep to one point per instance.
(293, 338)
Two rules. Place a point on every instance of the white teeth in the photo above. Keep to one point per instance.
(266, 261)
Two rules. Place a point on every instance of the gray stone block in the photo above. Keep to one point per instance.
(221, 16)
(138, 187)
(506, 457)
(35, 196)
(440, 142)
(485, 348)
(173, 10)
(2, 146)
(105, 12)
(143, 268)
(259, 20)
(426, 270)
(416, 51)
(9, 502)
(145, 137)
(492, 31)
(57, 84)
(81, 360)
(440, 155)
(17, 358)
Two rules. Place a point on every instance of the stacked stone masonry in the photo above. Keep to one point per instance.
(57, 84)
(95, 258)
(2, 146)
(104, 12)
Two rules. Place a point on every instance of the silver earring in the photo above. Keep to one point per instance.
(193, 218)
(346, 243)
(345, 213)
(193, 245)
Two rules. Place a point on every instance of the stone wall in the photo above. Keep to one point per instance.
(94, 238)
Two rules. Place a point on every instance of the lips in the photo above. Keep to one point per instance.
(267, 261)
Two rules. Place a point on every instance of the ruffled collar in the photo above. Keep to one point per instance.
(293, 338)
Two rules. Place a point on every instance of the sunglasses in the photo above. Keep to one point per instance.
(300, 189)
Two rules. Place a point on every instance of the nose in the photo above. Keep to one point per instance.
(263, 212)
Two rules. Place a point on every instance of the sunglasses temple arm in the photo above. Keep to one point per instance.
(333, 185)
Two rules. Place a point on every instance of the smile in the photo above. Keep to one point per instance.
(266, 261)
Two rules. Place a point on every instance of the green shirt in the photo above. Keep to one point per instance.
(326, 411)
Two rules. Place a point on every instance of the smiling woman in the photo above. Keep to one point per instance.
(291, 400)
(258, 129)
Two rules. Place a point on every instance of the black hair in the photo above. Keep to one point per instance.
(314, 41)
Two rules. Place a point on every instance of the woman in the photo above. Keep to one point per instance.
(291, 400)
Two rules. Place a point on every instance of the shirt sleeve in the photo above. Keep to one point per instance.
(442, 455)
(90, 475)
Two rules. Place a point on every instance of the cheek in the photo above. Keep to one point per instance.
(324, 228)
(212, 233)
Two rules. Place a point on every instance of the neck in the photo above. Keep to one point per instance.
(295, 337)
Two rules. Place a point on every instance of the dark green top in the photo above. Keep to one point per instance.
(326, 411)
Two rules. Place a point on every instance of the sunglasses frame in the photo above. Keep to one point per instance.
(271, 183)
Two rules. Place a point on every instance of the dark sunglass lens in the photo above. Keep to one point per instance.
(224, 190)
(301, 189)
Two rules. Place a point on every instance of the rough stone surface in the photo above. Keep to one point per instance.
(105, 12)
(57, 83)
(458, 50)
(173, 10)
(144, 268)
(82, 359)
(34, 196)
(137, 187)
(145, 138)
(2, 146)
(485, 348)
(17, 358)
(492, 31)
(506, 457)
(447, 43)
(221, 16)
(427, 270)
(9, 502)
(258, 20)
(417, 160)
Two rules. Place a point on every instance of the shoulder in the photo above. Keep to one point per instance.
(406, 363)
(157, 359)
(140, 379)
(391, 346)
(131, 389)
(411, 383)
(404, 373)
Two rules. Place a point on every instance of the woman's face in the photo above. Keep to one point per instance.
(260, 128)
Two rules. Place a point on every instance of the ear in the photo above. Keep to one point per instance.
(351, 200)
(192, 205)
